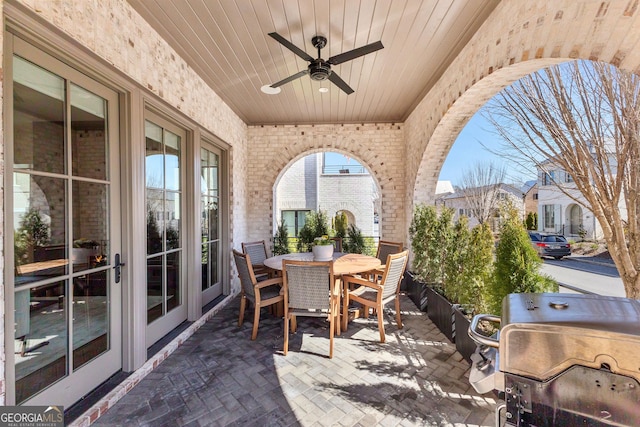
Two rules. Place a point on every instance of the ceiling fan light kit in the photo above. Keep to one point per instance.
(319, 69)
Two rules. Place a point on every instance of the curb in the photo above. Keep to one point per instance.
(591, 261)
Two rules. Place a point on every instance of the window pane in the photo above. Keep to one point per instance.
(155, 221)
(41, 338)
(173, 281)
(154, 163)
(90, 317)
(39, 137)
(172, 161)
(39, 227)
(88, 134)
(205, 266)
(90, 224)
(172, 220)
(204, 219)
(213, 262)
(154, 288)
(213, 218)
(302, 220)
(290, 221)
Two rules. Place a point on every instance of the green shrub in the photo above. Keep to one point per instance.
(532, 221)
(281, 239)
(456, 262)
(476, 268)
(517, 264)
(340, 224)
(316, 225)
(355, 242)
(430, 236)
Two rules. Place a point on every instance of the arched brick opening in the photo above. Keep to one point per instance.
(517, 39)
(344, 206)
(456, 117)
(375, 146)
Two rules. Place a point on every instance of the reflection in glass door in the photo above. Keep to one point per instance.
(64, 195)
(210, 224)
(163, 167)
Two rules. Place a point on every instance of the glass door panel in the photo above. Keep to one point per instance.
(41, 338)
(63, 234)
(210, 224)
(165, 275)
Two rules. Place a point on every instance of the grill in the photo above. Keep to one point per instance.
(561, 360)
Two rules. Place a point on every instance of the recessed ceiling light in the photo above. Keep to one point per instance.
(323, 90)
(270, 90)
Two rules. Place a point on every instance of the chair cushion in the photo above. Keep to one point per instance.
(270, 292)
(365, 293)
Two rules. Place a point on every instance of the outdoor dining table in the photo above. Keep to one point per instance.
(342, 264)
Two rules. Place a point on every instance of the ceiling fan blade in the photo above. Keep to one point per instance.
(293, 48)
(336, 80)
(355, 53)
(290, 78)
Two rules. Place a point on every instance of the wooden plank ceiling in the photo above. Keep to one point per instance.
(226, 43)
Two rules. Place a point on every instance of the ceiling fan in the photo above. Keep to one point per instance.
(319, 69)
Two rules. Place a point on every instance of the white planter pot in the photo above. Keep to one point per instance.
(322, 252)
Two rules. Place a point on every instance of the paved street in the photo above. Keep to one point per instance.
(594, 276)
(219, 377)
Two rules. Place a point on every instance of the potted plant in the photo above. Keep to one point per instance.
(431, 235)
(322, 248)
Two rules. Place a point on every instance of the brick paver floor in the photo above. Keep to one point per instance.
(219, 377)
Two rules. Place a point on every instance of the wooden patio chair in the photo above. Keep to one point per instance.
(260, 294)
(310, 289)
(257, 251)
(377, 293)
(385, 248)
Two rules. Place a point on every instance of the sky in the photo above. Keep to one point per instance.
(468, 150)
(465, 153)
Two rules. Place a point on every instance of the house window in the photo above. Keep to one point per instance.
(569, 178)
(294, 220)
(549, 178)
(461, 212)
(535, 196)
(549, 216)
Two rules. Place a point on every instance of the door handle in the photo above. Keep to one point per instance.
(117, 267)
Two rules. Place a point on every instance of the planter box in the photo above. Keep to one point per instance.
(416, 290)
(440, 311)
(464, 344)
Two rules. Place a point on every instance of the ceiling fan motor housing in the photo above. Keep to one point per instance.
(319, 70)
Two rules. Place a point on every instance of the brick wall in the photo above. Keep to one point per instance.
(379, 147)
(517, 39)
(352, 193)
(304, 187)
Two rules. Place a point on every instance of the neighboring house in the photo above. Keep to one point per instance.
(311, 185)
(530, 191)
(565, 212)
(459, 201)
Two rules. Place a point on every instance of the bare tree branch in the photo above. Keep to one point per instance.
(480, 188)
(583, 117)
